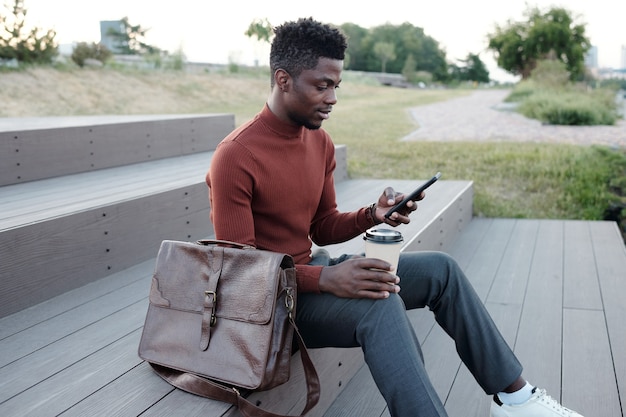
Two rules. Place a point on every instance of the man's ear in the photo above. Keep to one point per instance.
(282, 79)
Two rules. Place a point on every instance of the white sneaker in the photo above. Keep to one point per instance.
(540, 404)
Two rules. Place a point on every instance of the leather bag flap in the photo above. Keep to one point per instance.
(246, 286)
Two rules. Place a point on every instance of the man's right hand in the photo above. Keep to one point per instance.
(359, 277)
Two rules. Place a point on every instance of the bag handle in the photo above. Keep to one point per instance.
(207, 242)
(204, 387)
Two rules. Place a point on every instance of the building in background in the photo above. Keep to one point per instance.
(591, 59)
(111, 42)
(623, 58)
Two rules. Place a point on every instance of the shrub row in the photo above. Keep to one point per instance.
(597, 107)
(550, 97)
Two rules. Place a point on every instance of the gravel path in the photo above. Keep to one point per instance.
(483, 116)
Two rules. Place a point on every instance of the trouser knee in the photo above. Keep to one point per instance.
(378, 317)
(428, 277)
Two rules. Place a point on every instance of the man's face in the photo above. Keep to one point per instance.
(312, 96)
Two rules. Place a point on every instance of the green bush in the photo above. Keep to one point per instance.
(84, 51)
(571, 107)
(550, 97)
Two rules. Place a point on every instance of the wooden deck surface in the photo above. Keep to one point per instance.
(555, 289)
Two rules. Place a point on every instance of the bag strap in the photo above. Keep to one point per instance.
(204, 387)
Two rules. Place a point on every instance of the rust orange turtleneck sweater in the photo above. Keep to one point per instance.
(271, 186)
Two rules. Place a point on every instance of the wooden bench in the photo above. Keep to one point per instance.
(79, 203)
(80, 228)
(71, 348)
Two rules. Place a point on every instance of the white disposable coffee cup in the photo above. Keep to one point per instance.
(383, 244)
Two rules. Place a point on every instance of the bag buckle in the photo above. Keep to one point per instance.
(289, 300)
(213, 295)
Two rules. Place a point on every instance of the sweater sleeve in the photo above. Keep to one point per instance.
(308, 278)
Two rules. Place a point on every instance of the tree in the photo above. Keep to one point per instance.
(385, 51)
(356, 53)
(261, 28)
(406, 39)
(408, 71)
(17, 42)
(474, 69)
(518, 46)
(130, 39)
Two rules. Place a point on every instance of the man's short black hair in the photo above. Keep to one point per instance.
(299, 45)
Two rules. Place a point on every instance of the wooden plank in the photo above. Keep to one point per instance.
(55, 197)
(180, 403)
(27, 155)
(62, 390)
(513, 272)
(26, 342)
(482, 269)
(610, 254)
(24, 373)
(129, 395)
(362, 398)
(542, 312)
(442, 361)
(464, 248)
(587, 357)
(581, 288)
(39, 313)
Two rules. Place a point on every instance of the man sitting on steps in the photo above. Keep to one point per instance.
(271, 186)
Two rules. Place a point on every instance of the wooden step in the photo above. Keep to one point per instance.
(39, 148)
(77, 352)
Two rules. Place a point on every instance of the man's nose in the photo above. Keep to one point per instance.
(331, 97)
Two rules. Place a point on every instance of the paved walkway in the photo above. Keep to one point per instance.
(483, 116)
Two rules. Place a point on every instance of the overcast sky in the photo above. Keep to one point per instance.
(212, 31)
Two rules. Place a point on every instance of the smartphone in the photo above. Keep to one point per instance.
(413, 196)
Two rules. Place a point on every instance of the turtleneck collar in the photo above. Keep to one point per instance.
(279, 127)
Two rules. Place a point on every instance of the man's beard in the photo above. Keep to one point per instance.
(304, 122)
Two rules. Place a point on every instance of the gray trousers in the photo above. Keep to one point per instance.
(391, 349)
